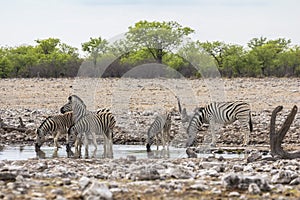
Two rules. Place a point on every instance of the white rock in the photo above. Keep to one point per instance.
(83, 182)
(234, 194)
(254, 189)
(99, 190)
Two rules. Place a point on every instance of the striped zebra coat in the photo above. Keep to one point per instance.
(159, 128)
(57, 124)
(94, 123)
(78, 107)
(220, 113)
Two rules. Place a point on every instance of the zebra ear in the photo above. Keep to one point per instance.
(70, 98)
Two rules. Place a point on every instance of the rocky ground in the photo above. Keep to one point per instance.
(135, 103)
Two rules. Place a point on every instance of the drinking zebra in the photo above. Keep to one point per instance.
(78, 107)
(220, 113)
(160, 127)
(56, 124)
(94, 123)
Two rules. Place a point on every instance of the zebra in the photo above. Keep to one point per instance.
(78, 107)
(57, 124)
(219, 113)
(93, 123)
(161, 125)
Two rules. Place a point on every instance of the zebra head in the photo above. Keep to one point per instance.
(73, 101)
(40, 138)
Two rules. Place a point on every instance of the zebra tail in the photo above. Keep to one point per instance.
(250, 123)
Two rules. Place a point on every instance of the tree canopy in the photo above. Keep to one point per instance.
(147, 42)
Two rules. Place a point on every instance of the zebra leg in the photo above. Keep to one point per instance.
(86, 145)
(246, 139)
(168, 140)
(213, 130)
(77, 146)
(55, 140)
(95, 144)
(110, 144)
(156, 140)
(163, 140)
(104, 146)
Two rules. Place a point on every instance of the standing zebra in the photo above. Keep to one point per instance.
(219, 113)
(93, 123)
(56, 124)
(160, 126)
(78, 107)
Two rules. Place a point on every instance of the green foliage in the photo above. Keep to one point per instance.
(158, 38)
(49, 58)
(161, 42)
(95, 48)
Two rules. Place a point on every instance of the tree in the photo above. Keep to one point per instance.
(228, 57)
(288, 62)
(267, 52)
(47, 46)
(216, 49)
(157, 38)
(95, 47)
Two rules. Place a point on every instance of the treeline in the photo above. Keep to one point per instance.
(146, 42)
(48, 58)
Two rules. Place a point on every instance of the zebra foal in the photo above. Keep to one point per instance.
(159, 128)
(101, 123)
(56, 124)
(220, 113)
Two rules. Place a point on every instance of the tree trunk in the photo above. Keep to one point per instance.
(276, 138)
(159, 56)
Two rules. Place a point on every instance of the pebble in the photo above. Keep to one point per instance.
(234, 194)
(254, 189)
(97, 190)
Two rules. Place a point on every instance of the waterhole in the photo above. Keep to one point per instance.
(120, 151)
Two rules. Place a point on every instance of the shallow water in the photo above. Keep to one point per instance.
(120, 151)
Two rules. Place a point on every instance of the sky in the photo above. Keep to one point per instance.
(75, 21)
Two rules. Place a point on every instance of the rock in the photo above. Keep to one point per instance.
(190, 153)
(97, 190)
(131, 158)
(248, 168)
(216, 191)
(58, 191)
(178, 173)
(219, 167)
(295, 181)
(254, 156)
(254, 189)
(83, 182)
(41, 167)
(237, 168)
(235, 181)
(6, 176)
(199, 187)
(283, 177)
(147, 174)
(234, 194)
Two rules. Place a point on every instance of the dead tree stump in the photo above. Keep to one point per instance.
(276, 138)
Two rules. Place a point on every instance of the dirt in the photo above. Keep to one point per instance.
(135, 102)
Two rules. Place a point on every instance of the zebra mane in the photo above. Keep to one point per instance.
(77, 99)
